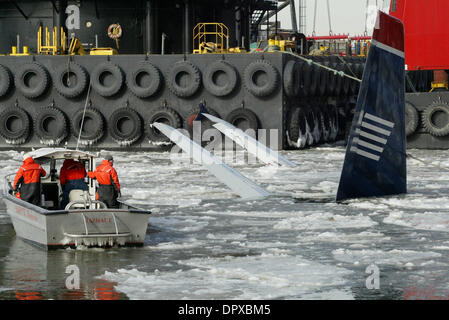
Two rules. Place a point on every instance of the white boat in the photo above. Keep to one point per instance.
(83, 221)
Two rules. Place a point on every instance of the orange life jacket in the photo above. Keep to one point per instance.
(71, 170)
(105, 174)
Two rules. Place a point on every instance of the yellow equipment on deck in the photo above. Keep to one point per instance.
(51, 48)
(25, 52)
(280, 45)
(103, 51)
(76, 48)
(210, 37)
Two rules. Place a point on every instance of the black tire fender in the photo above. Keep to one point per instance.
(325, 123)
(148, 70)
(243, 119)
(428, 119)
(306, 79)
(15, 125)
(330, 79)
(164, 115)
(183, 88)
(411, 119)
(346, 85)
(65, 75)
(296, 128)
(314, 80)
(338, 80)
(254, 71)
(93, 125)
(5, 80)
(210, 78)
(125, 126)
(32, 79)
(50, 125)
(98, 79)
(292, 78)
(323, 83)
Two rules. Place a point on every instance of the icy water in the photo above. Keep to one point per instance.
(205, 243)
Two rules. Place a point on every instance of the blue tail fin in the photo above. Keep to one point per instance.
(375, 161)
(203, 109)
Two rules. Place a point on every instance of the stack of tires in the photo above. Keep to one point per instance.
(53, 125)
(319, 98)
(109, 82)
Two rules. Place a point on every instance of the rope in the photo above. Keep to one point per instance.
(347, 65)
(68, 70)
(427, 162)
(337, 72)
(410, 82)
(82, 120)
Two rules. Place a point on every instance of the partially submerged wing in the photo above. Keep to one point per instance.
(375, 161)
(261, 151)
(238, 183)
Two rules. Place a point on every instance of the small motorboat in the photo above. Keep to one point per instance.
(83, 221)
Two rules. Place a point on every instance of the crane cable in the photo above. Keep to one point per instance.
(314, 17)
(329, 17)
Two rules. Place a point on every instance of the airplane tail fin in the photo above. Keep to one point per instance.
(202, 111)
(375, 161)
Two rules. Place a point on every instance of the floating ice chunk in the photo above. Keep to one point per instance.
(392, 257)
(324, 220)
(268, 276)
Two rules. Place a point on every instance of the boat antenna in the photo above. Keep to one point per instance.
(84, 113)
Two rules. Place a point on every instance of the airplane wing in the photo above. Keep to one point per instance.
(261, 151)
(237, 182)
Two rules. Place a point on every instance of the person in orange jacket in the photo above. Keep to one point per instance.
(27, 182)
(71, 177)
(109, 185)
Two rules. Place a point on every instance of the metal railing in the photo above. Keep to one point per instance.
(210, 37)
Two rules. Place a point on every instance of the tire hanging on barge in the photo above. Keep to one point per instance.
(107, 79)
(184, 79)
(15, 125)
(220, 78)
(429, 122)
(50, 126)
(125, 126)
(5, 80)
(411, 119)
(144, 80)
(243, 119)
(296, 128)
(70, 81)
(292, 78)
(164, 115)
(260, 78)
(32, 80)
(93, 126)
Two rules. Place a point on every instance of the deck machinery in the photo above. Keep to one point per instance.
(111, 68)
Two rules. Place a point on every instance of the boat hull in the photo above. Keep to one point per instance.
(55, 229)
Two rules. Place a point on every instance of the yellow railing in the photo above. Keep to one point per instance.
(51, 46)
(210, 37)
